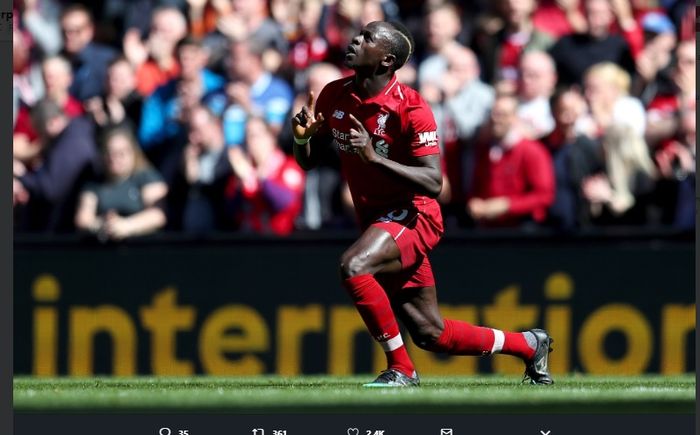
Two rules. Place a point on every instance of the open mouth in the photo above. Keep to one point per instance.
(350, 50)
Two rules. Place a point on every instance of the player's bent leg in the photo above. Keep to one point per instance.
(375, 251)
(418, 310)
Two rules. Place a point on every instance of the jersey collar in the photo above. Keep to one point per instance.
(391, 84)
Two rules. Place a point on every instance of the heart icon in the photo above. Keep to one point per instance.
(353, 431)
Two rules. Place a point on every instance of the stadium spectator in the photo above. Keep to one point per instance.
(442, 27)
(500, 51)
(538, 78)
(155, 59)
(307, 46)
(41, 20)
(57, 78)
(206, 172)
(250, 20)
(606, 87)
(70, 159)
(88, 58)
(121, 105)
(655, 57)
(559, 17)
(162, 133)
(253, 92)
(622, 194)
(673, 89)
(269, 182)
(203, 15)
(574, 54)
(127, 203)
(514, 177)
(575, 157)
(465, 105)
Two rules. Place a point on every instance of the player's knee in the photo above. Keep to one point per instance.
(352, 265)
(427, 336)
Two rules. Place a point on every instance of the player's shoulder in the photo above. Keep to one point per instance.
(334, 90)
(338, 85)
(409, 98)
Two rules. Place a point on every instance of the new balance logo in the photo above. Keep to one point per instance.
(428, 138)
(338, 114)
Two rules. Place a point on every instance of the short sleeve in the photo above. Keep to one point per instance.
(422, 130)
(147, 176)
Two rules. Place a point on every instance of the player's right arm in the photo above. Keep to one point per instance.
(304, 125)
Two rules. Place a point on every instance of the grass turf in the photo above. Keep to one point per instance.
(332, 394)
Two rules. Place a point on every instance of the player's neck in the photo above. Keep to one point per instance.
(369, 86)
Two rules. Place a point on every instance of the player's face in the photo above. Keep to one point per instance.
(367, 49)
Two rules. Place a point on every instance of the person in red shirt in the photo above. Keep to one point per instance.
(270, 181)
(388, 145)
(513, 176)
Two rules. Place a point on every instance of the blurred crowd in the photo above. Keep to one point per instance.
(133, 116)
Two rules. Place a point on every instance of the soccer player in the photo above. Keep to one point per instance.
(387, 138)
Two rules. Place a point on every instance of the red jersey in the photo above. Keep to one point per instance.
(523, 173)
(402, 128)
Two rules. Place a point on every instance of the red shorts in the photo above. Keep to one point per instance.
(416, 232)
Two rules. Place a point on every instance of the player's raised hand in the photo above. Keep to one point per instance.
(360, 141)
(305, 123)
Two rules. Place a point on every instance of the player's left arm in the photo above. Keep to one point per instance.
(426, 174)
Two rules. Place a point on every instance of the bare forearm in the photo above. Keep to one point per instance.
(146, 221)
(427, 179)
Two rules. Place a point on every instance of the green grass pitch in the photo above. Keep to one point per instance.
(332, 394)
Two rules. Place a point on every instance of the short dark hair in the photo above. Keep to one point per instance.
(43, 112)
(189, 41)
(77, 7)
(401, 43)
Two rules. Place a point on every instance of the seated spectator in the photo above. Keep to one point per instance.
(574, 54)
(206, 172)
(442, 27)
(575, 157)
(128, 202)
(253, 92)
(500, 51)
(249, 20)
(606, 87)
(308, 46)
(269, 182)
(672, 91)
(559, 17)
(26, 71)
(41, 19)
(538, 77)
(69, 160)
(121, 105)
(155, 60)
(464, 105)
(655, 57)
(57, 79)
(622, 194)
(162, 133)
(88, 58)
(514, 177)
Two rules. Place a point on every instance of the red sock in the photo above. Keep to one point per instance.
(375, 309)
(462, 338)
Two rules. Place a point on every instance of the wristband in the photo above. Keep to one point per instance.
(300, 141)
